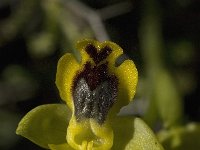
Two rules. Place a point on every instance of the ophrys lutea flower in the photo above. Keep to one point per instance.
(94, 89)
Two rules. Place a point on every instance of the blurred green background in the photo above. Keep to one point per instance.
(161, 36)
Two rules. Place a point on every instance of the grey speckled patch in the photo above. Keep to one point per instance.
(93, 104)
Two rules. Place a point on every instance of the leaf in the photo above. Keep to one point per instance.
(181, 138)
(45, 124)
(168, 99)
(133, 134)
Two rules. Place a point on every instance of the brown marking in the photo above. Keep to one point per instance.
(98, 56)
(94, 92)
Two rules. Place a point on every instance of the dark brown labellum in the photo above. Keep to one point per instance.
(94, 89)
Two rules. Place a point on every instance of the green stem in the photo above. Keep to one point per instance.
(165, 100)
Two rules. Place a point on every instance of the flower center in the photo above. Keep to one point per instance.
(94, 89)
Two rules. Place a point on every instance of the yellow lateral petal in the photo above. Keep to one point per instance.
(127, 77)
(66, 71)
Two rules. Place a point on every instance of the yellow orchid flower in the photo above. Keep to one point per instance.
(94, 89)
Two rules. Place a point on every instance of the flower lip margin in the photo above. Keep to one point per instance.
(98, 55)
(91, 77)
(126, 72)
(94, 92)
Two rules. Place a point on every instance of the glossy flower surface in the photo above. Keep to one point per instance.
(94, 89)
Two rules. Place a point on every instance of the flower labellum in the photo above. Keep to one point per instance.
(95, 90)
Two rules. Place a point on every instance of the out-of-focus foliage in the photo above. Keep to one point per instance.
(9, 121)
(161, 36)
(181, 138)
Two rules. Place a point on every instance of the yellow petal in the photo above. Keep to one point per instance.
(127, 77)
(66, 71)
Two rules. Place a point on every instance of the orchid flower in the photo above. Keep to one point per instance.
(94, 90)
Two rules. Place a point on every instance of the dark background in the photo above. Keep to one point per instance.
(34, 34)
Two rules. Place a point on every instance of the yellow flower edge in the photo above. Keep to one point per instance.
(126, 73)
(66, 70)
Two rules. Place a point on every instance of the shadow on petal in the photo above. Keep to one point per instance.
(132, 133)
